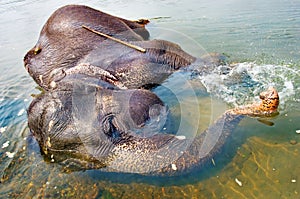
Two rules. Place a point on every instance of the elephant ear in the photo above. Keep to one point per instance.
(138, 112)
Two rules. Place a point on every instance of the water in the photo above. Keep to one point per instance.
(262, 38)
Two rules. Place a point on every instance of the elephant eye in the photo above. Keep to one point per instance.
(37, 50)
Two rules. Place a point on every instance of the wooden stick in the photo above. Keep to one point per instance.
(143, 50)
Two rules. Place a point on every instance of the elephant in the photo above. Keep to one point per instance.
(65, 47)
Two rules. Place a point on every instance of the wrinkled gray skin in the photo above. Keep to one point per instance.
(82, 72)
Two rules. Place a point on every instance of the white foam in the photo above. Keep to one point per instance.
(21, 112)
(10, 154)
(180, 137)
(4, 145)
(246, 80)
(174, 167)
(3, 129)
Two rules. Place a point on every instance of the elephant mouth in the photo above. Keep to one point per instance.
(27, 63)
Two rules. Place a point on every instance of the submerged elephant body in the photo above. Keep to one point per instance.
(106, 138)
(94, 113)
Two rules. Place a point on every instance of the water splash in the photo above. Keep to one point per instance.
(245, 81)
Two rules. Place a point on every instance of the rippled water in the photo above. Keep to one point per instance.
(262, 39)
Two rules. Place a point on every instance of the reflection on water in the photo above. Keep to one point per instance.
(258, 161)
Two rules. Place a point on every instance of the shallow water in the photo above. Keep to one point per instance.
(262, 39)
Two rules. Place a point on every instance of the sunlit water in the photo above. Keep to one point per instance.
(262, 39)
